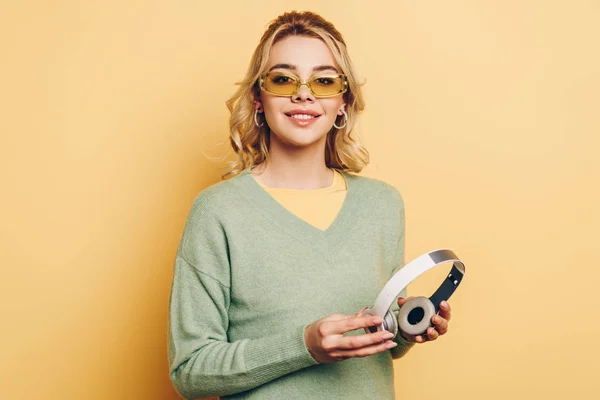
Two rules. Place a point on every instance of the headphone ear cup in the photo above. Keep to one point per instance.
(415, 315)
(390, 323)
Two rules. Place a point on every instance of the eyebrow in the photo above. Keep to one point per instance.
(294, 68)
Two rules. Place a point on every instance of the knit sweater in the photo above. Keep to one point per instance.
(249, 276)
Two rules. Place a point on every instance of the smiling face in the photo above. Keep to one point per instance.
(301, 119)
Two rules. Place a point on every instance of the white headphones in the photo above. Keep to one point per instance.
(414, 317)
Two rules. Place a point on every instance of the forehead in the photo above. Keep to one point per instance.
(303, 52)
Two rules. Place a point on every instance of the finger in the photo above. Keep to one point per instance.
(355, 342)
(445, 311)
(336, 317)
(360, 313)
(350, 324)
(441, 325)
(324, 326)
(432, 334)
(402, 300)
(364, 351)
(419, 339)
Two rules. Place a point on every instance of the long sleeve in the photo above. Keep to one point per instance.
(202, 361)
(399, 261)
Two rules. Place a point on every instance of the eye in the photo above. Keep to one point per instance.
(281, 79)
(325, 81)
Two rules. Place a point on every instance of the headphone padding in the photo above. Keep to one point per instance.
(420, 327)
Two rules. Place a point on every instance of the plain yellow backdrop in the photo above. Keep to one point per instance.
(484, 114)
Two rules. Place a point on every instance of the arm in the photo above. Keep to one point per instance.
(399, 261)
(440, 322)
(202, 361)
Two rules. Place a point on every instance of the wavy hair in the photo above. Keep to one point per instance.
(251, 143)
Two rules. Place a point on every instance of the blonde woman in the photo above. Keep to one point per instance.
(277, 260)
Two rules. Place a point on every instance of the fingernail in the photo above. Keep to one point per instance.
(391, 345)
(378, 321)
(444, 304)
(388, 335)
(436, 319)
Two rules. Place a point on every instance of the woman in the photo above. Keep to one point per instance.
(275, 263)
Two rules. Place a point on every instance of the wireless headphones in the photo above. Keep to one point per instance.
(414, 317)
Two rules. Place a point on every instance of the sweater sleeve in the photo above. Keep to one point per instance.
(202, 361)
(399, 261)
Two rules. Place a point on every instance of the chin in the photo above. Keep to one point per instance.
(301, 137)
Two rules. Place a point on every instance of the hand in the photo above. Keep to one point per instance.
(326, 342)
(440, 324)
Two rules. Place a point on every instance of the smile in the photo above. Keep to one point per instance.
(302, 119)
(302, 116)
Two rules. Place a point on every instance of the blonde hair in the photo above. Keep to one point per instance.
(251, 142)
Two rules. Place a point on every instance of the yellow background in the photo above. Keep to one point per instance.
(484, 114)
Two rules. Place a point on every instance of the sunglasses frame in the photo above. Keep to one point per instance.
(300, 82)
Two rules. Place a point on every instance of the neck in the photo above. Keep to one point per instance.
(301, 174)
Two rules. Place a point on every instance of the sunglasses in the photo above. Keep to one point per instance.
(281, 84)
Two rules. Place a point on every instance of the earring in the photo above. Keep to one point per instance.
(256, 119)
(345, 122)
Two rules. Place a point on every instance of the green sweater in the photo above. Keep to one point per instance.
(249, 276)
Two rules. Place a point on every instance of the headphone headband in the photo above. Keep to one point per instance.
(416, 267)
(409, 272)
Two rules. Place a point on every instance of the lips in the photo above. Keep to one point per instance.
(303, 121)
(302, 117)
(303, 112)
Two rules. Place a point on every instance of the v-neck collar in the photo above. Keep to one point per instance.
(288, 221)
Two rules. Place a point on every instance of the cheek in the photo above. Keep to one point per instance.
(331, 107)
(273, 106)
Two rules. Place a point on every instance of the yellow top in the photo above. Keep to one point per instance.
(318, 207)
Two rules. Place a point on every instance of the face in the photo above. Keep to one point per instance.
(304, 57)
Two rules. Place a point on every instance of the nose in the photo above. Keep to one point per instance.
(303, 94)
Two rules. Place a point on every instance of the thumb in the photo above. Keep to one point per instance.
(360, 313)
(402, 300)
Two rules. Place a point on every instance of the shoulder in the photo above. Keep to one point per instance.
(378, 189)
(214, 201)
(217, 195)
(205, 222)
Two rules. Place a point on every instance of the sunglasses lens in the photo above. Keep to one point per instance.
(327, 85)
(280, 84)
(285, 85)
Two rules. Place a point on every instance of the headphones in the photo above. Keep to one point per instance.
(414, 317)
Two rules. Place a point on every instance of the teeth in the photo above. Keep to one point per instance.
(302, 116)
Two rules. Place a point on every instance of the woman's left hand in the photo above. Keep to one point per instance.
(440, 323)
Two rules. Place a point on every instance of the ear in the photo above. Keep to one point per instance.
(341, 108)
(258, 105)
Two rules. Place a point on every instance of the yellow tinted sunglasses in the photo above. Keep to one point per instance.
(281, 84)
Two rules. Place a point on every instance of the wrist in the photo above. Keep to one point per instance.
(308, 344)
(407, 338)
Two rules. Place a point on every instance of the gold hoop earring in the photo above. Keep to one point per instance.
(256, 119)
(345, 121)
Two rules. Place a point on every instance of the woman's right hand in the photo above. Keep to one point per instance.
(326, 342)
